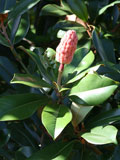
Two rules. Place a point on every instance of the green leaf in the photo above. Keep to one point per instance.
(3, 41)
(53, 10)
(79, 113)
(21, 7)
(21, 106)
(29, 80)
(79, 8)
(50, 53)
(65, 6)
(6, 5)
(101, 135)
(4, 137)
(93, 89)
(55, 118)
(36, 58)
(81, 75)
(19, 28)
(104, 118)
(77, 58)
(102, 10)
(7, 69)
(99, 47)
(85, 62)
(55, 151)
(104, 47)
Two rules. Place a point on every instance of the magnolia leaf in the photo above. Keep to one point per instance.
(29, 80)
(79, 113)
(55, 118)
(101, 135)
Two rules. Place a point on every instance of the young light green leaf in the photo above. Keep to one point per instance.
(21, 106)
(55, 118)
(101, 135)
(29, 80)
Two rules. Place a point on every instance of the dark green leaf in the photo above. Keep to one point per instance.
(4, 137)
(55, 151)
(54, 10)
(79, 8)
(19, 28)
(3, 41)
(7, 69)
(36, 58)
(21, 106)
(55, 118)
(21, 7)
(29, 80)
(99, 47)
(102, 10)
(104, 118)
(6, 5)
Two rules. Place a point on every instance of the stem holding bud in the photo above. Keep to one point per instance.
(61, 68)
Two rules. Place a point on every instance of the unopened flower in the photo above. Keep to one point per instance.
(67, 47)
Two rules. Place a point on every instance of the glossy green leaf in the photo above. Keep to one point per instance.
(81, 75)
(21, 106)
(55, 118)
(54, 10)
(77, 58)
(7, 69)
(21, 7)
(69, 25)
(99, 47)
(101, 135)
(79, 113)
(104, 47)
(6, 5)
(79, 8)
(20, 135)
(36, 58)
(19, 28)
(55, 151)
(93, 89)
(85, 62)
(102, 10)
(104, 118)
(29, 80)
(65, 6)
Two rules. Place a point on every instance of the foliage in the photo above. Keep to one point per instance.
(40, 119)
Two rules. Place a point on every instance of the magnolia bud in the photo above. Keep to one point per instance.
(67, 47)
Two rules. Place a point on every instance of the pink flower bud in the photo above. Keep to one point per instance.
(67, 47)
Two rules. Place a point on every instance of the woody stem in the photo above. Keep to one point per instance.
(61, 68)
